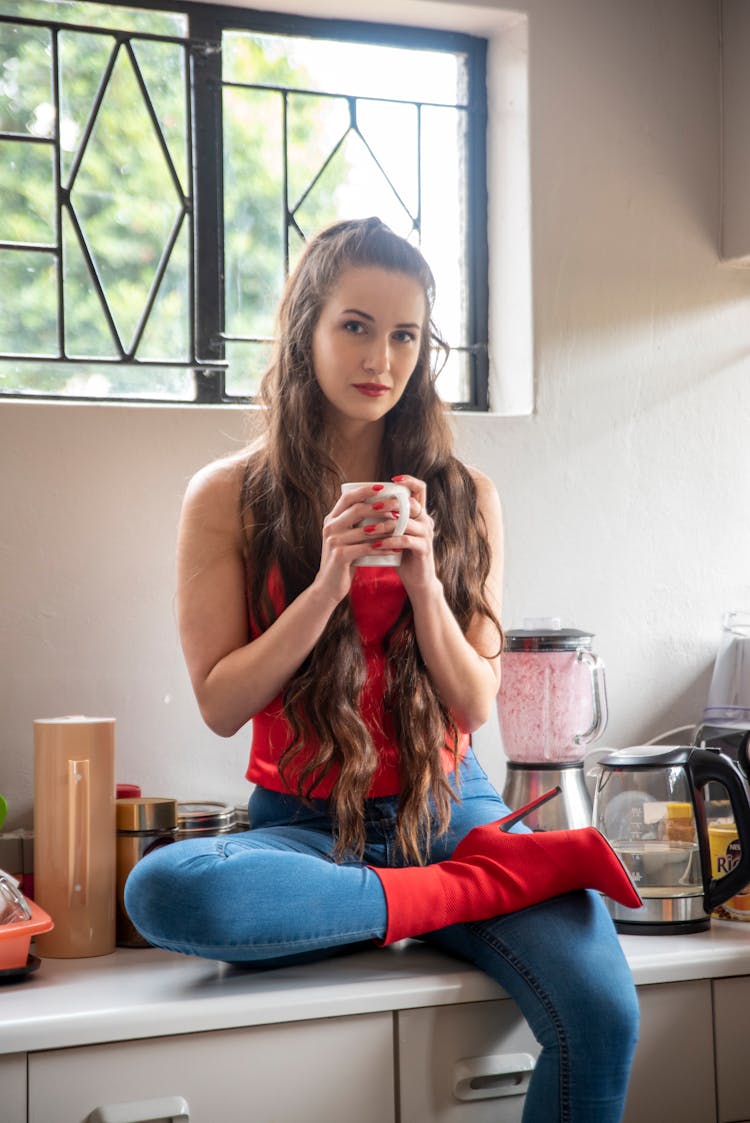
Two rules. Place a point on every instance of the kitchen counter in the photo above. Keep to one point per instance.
(137, 993)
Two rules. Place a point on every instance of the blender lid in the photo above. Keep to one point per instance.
(546, 634)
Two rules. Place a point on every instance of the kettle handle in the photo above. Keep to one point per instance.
(743, 754)
(705, 766)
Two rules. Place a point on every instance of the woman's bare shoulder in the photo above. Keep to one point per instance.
(486, 491)
(213, 493)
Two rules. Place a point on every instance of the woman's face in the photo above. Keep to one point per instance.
(367, 341)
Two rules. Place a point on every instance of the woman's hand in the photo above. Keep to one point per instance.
(345, 540)
(417, 569)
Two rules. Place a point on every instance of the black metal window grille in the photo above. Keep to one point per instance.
(193, 240)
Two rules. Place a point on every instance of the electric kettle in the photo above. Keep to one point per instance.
(552, 704)
(650, 805)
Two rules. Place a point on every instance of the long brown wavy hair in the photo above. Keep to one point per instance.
(291, 483)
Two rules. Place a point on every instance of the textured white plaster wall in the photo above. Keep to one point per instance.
(626, 493)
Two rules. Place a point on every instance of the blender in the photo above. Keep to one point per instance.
(552, 704)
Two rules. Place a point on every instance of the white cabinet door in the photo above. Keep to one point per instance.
(673, 1071)
(13, 1088)
(332, 1069)
(467, 1063)
(732, 1014)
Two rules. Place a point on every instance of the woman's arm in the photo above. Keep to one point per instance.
(233, 677)
(464, 669)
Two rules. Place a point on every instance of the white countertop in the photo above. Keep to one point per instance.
(150, 993)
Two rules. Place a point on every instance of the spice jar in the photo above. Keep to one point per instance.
(143, 825)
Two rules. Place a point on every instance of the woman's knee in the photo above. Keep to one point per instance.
(612, 1015)
(170, 878)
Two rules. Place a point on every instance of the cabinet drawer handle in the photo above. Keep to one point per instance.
(485, 1078)
(167, 1109)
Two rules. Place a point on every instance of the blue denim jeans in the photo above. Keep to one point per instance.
(274, 895)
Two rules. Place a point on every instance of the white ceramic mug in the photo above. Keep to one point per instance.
(402, 495)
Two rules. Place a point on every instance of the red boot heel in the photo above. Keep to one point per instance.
(509, 821)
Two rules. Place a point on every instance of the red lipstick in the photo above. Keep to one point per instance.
(371, 389)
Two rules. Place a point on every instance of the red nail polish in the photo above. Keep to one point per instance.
(378, 506)
(376, 544)
(393, 514)
(369, 529)
(397, 479)
(377, 487)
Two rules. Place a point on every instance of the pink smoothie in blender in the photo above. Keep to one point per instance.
(552, 704)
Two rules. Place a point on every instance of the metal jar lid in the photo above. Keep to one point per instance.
(546, 635)
(146, 813)
(204, 818)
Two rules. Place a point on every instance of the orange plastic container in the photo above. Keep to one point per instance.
(16, 937)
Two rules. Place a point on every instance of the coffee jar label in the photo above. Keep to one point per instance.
(725, 854)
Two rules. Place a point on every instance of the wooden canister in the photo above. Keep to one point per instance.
(75, 840)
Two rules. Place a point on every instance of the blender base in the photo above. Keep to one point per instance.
(570, 810)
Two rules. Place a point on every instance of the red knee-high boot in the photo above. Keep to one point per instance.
(492, 872)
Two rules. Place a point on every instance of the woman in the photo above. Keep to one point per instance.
(371, 819)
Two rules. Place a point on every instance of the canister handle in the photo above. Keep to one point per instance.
(599, 696)
(707, 765)
(79, 798)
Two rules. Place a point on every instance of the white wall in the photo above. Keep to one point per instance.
(626, 494)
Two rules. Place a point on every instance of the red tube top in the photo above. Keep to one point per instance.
(377, 597)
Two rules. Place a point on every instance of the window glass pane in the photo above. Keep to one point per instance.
(162, 67)
(351, 185)
(454, 380)
(125, 198)
(444, 216)
(247, 363)
(25, 88)
(253, 210)
(83, 61)
(28, 307)
(361, 69)
(166, 334)
(316, 125)
(27, 197)
(92, 380)
(296, 246)
(87, 331)
(390, 131)
(99, 15)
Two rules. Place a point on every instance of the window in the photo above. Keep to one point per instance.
(160, 171)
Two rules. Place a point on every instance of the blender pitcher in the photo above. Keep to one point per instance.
(552, 704)
(650, 805)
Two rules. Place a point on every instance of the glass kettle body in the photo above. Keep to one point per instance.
(650, 806)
